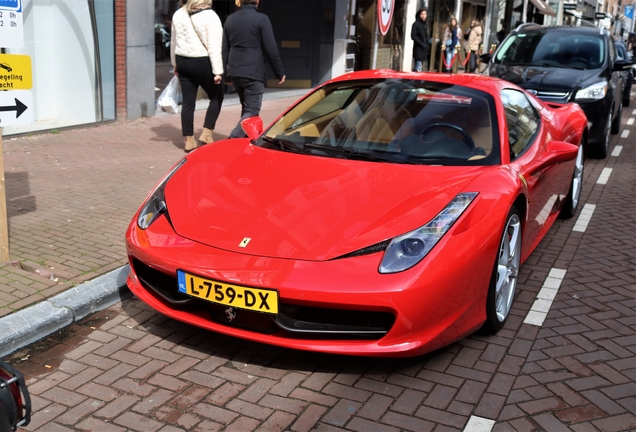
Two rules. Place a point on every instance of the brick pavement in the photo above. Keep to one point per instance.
(71, 194)
(128, 368)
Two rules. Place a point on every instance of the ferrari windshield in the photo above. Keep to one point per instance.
(391, 121)
(554, 48)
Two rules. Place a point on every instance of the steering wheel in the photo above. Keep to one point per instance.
(467, 139)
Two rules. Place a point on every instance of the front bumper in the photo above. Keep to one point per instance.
(419, 310)
(597, 113)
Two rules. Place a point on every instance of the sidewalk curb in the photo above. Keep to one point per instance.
(42, 319)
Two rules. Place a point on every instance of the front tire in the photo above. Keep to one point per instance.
(503, 282)
(601, 150)
(574, 195)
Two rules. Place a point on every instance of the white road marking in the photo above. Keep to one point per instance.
(541, 306)
(605, 175)
(617, 151)
(584, 218)
(479, 424)
(634, 112)
(625, 133)
(630, 121)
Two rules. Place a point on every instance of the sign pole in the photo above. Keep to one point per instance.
(376, 44)
(16, 102)
(4, 223)
(384, 14)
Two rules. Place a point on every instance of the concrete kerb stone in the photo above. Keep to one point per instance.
(39, 321)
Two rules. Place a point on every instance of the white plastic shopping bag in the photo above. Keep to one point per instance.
(169, 97)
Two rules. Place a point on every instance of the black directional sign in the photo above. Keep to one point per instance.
(19, 108)
(16, 108)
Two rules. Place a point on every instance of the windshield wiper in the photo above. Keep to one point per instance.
(560, 66)
(283, 144)
(355, 153)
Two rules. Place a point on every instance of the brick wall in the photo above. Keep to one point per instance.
(120, 57)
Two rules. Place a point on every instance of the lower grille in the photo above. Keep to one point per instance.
(293, 321)
(160, 283)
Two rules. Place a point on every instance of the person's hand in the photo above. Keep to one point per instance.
(228, 82)
(217, 79)
(282, 80)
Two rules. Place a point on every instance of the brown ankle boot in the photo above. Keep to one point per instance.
(190, 144)
(206, 136)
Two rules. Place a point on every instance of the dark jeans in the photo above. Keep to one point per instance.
(195, 72)
(473, 61)
(250, 94)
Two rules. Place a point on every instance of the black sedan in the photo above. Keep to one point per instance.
(629, 74)
(567, 64)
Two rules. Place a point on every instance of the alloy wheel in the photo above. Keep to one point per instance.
(577, 180)
(508, 267)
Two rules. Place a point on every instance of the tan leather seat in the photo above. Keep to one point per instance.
(479, 126)
(379, 127)
(343, 126)
(382, 122)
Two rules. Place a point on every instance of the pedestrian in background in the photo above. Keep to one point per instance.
(196, 54)
(421, 46)
(248, 43)
(452, 36)
(474, 40)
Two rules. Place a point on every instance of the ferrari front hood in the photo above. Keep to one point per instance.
(239, 197)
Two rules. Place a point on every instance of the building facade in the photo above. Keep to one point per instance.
(94, 61)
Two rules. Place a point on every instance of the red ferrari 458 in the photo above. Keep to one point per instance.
(383, 214)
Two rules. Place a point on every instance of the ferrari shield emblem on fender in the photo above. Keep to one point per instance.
(523, 180)
(244, 242)
(230, 313)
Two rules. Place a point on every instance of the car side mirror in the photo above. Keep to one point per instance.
(622, 65)
(556, 152)
(485, 58)
(253, 127)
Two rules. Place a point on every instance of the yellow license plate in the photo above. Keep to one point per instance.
(255, 299)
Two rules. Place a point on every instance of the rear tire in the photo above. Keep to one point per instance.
(628, 90)
(616, 123)
(573, 198)
(503, 282)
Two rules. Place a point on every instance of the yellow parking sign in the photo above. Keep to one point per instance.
(15, 72)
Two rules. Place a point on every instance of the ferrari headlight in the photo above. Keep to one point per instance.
(595, 91)
(155, 205)
(407, 250)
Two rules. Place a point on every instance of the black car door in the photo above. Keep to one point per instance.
(617, 81)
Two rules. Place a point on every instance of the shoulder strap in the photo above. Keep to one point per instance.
(197, 33)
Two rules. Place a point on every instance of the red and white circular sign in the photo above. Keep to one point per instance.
(385, 14)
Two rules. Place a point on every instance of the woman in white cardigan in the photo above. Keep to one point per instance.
(195, 51)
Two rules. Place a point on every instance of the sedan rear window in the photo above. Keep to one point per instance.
(553, 49)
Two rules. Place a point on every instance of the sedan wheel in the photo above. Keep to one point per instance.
(602, 149)
(504, 279)
(574, 195)
(616, 124)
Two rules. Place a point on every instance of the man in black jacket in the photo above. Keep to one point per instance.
(419, 34)
(248, 42)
